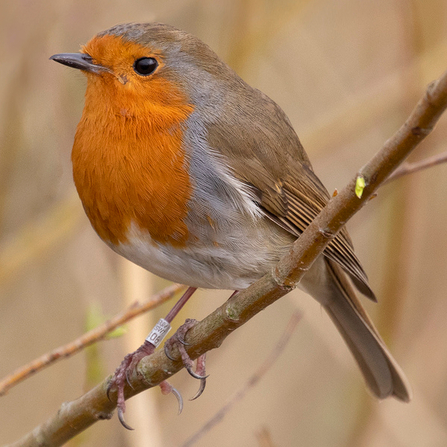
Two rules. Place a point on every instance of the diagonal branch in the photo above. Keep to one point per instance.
(99, 333)
(410, 168)
(76, 416)
(133, 311)
(87, 339)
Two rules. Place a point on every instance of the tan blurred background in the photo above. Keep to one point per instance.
(347, 73)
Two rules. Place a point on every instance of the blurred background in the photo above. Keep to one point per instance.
(347, 73)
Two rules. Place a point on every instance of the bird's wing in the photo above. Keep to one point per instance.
(263, 150)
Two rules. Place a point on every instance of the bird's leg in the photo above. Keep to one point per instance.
(130, 362)
(234, 293)
(178, 339)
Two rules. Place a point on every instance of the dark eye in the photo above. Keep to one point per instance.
(145, 66)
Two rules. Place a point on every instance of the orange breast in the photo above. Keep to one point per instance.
(129, 165)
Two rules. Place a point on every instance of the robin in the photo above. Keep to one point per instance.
(187, 171)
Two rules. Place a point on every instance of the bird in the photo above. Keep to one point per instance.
(189, 172)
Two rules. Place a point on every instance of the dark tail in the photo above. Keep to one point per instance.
(382, 373)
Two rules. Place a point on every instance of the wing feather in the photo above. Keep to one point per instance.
(283, 179)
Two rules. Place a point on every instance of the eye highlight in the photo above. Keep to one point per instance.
(145, 66)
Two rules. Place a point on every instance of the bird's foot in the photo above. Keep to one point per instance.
(130, 363)
(122, 374)
(178, 339)
(167, 388)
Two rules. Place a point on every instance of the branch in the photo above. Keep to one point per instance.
(410, 168)
(90, 337)
(136, 309)
(76, 416)
(250, 383)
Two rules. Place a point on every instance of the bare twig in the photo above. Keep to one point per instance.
(90, 337)
(76, 416)
(250, 383)
(410, 168)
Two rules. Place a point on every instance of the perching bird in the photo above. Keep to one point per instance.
(187, 171)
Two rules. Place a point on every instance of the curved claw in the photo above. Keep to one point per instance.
(168, 354)
(128, 380)
(121, 419)
(200, 390)
(182, 341)
(179, 398)
(194, 374)
(109, 387)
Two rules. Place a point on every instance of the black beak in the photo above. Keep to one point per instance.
(80, 61)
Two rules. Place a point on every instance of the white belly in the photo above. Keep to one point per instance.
(235, 265)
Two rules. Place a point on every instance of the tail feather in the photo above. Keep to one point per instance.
(382, 373)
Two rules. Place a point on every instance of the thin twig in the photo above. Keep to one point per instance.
(74, 417)
(410, 168)
(250, 383)
(90, 337)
